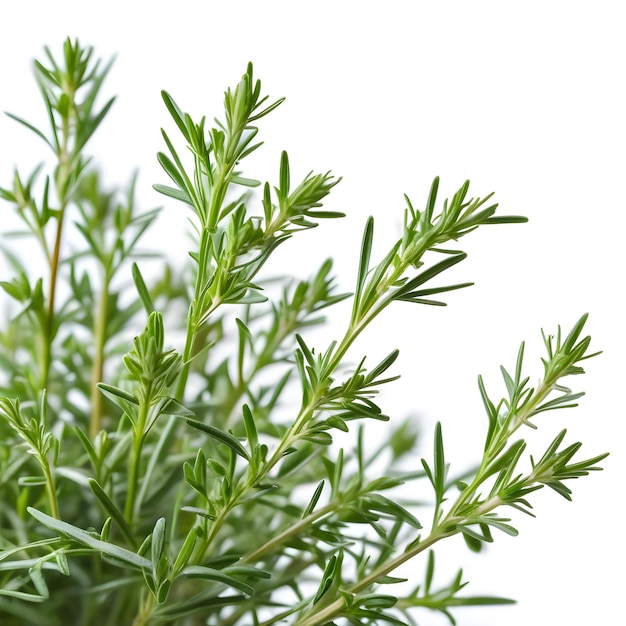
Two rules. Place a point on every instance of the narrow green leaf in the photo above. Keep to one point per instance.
(31, 481)
(417, 295)
(320, 438)
(176, 113)
(245, 339)
(197, 511)
(284, 179)
(430, 570)
(219, 435)
(492, 413)
(337, 473)
(84, 538)
(172, 171)
(208, 573)
(185, 552)
(38, 580)
(506, 219)
(327, 215)
(158, 544)
(439, 462)
(269, 109)
(244, 182)
(384, 482)
(109, 506)
(163, 591)
(306, 351)
(314, 500)
(390, 580)
(377, 601)
(480, 601)
(142, 290)
(384, 365)
(376, 502)
(474, 544)
(88, 130)
(470, 532)
(62, 563)
(170, 406)
(247, 570)
(5, 194)
(22, 595)
(206, 601)
(114, 393)
(364, 262)
(570, 340)
(502, 526)
(335, 421)
(506, 461)
(428, 274)
(172, 192)
(327, 579)
(28, 125)
(432, 201)
(250, 425)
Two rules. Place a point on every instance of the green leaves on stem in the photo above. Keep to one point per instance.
(423, 232)
(210, 484)
(71, 89)
(153, 370)
(501, 459)
(39, 441)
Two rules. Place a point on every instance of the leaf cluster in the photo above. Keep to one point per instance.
(230, 479)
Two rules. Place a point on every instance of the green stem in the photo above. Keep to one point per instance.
(146, 608)
(381, 571)
(97, 372)
(133, 472)
(50, 488)
(64, 171)
(496, 445)
(181, 383)
(306, 412)
(446, 528)
(48, 330)
(288, 440)
(195, 317)
(289, 532)
(209, 221)
(244, 382)
(216, 526)
(326, 614)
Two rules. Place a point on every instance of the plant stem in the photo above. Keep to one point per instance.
(97, 372)
(64, 171)
(146, 607)
(329, 612)
(447, 528)
(50, 489)
(133, 475)
(129, 510)
(291, 531)
(48, 330)
(496, 445)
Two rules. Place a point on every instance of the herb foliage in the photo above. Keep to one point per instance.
(145, 485)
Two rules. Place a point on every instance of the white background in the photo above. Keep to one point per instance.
(524, 99)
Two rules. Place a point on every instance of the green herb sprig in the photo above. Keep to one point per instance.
(228, 481)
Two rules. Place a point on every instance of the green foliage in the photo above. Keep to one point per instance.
(145, 485)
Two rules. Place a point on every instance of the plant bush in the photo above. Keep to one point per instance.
(145, 485)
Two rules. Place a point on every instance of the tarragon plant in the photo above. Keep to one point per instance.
(212, 483)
